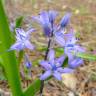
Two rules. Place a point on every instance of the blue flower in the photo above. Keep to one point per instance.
(22, 41)
(43, 19)
(71, 48)
(69, 42)
(47, 20)
(52, 16)
(53, 67)
(27, 62)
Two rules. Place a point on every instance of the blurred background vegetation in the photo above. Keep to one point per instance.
(83, 18)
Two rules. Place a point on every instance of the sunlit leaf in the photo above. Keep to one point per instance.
(86, 56)
(9, 59)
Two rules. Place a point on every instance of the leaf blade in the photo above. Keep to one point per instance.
(9, 59)
(86, 56)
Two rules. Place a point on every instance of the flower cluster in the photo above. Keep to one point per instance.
(47, 20)
(68, 42)
(22, 42)
(52, 66)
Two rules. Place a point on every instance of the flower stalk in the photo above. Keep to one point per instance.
(46, 55)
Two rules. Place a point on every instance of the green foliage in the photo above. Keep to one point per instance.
(65, 63)
(2, 74)
(86, 56)
(9, 59)
(19, 22)
(20, 56)
(33, 88)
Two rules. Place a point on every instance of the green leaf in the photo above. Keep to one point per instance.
(41, 49)
(1, 61)
(33, 88)
(65, 63)
(20, 57)
(86, 56)
(9, 58)
(59, 51)
(19, 21)
(2, 73)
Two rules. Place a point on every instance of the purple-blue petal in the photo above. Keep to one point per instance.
(30, 31)
(17, 46)
(57, 75)
(36, 18)
(20, 31)
(65, 70)
(46, 75)
(51, 56)
(28, 64)
(28, 45)
(59, 61)
(12, 27)
(47, 30)
(65, 20)
(75, 63)
(71, 41)
(20, 34)
(52, 16)
(45, 23)
(43, 19)
(45, 65)
(69, 54)
(78, 48)
(59, 38)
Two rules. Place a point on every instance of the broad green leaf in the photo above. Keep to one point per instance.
(86, 56)
(33, 88)
(9, 59)
(1, 61)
